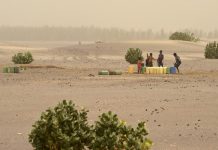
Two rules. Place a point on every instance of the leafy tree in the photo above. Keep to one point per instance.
(133, 55)
(184, 36)
(211, 50)
(61, 128)
(21, 58)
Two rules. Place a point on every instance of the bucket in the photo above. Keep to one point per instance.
(173, 70)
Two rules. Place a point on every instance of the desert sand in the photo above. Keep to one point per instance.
(180, 111)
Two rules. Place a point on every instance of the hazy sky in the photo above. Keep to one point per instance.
(128, 14)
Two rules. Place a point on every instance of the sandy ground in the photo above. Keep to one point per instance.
(180, 110)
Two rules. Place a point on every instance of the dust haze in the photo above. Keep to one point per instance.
(72, 40)
(137, 14)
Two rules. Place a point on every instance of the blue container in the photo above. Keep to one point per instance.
(173, 70)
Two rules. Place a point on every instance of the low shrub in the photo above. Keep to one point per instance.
(21, 58)
(133, 55)
(61, 128)
(184, 36)
(110, 133)
(65, 128)
(211, 50)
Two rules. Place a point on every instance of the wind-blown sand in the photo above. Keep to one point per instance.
(180, 110)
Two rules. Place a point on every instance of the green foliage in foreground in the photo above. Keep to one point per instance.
(66, 128)
(184, 36)
(61, 128)
(113, 134)
(211, 50)
(21, 58)
(133, 55)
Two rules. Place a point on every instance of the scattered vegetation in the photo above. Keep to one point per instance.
(133, 55)
(21, 58)
(184, 36)
(65, 128)
(211, 50)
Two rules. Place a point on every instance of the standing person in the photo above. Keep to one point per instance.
(160, 59)
(139, 63)
(150, 60)
(177, 61)
(146, 61)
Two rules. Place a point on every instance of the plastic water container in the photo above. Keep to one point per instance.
(16, 69)
(164, 70)
(147, 70)
(131, 69)
(5, 70)
(143, 70)
(173, 70)
(151, 70)
(155, 70)
(161, 70)
(103, 72)
(11, 70)
(168, 70)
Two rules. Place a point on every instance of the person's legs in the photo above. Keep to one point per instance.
(161, 64)
(177, 66)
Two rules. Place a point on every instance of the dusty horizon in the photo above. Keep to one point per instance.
(138, 15)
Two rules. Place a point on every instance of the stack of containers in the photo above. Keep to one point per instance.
(153, 70)
(11, 70)
(159, 70)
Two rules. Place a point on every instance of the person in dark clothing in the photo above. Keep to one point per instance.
(177, 61)
(160, 59)
(146, 61)
(150, 60)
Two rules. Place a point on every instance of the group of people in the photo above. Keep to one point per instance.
(150, 59)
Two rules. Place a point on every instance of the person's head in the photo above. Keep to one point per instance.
(161, 51)
(151, 54)
(174, 54)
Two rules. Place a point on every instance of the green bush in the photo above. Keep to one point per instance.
(184, 36)
(113, 134)
(21, 58)
(66, 128)
(211, 50)
(133, 55)
(61, 128)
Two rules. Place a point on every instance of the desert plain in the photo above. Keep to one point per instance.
(180, 111)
